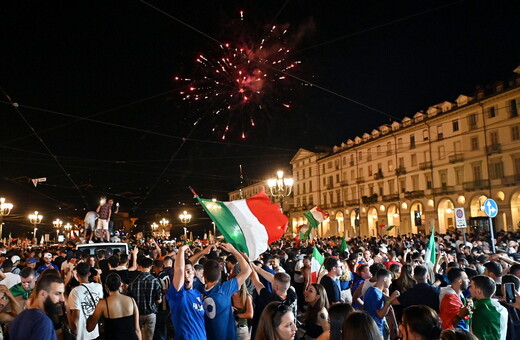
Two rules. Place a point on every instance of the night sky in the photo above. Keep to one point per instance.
(95, 80)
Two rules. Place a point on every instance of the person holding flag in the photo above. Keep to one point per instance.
(315, 216)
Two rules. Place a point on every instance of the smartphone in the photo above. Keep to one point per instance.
(510, 292)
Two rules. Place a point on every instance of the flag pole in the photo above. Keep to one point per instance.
(193, 191)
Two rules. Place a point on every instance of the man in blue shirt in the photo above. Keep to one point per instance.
(34, 323)
(331, 281)
(375, 303)
(220, 322)
(185, 303)
(47, 258)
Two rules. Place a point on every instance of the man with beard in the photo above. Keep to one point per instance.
(452, 300)
(185, 303)
(35, 323)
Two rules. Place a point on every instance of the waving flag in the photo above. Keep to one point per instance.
(316, 263)
(315, 216)
(343, 247)
(249, 224)
(430, 255)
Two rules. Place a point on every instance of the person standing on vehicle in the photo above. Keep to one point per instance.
(104, 210)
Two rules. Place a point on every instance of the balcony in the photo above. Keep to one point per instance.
(476, 185)
(494, 148)
(445, 189)
(379, 175)
(325, 206)
(328, 186)
(511, 180)
(360, 180)
(400, 171)
(301, 208)
(472, 126)
(389, 152)
(456, 158)
(344, 183)
(369, 199)
(391, 197)
(350, 203)
(336, 205)
(425, 165)
(351, 163)
(414, 194)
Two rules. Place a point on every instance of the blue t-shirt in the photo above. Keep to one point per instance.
(43, 267)
(266, 283)
(220, 322)
(187, 313)
(32, 324)
(374, 302)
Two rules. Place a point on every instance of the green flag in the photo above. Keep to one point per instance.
(343, 247)
(317, 256)
(430, 255)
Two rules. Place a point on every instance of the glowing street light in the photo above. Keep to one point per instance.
(154, 228)
(164, 223)
(5, 209)
(35, 219)
(57, 225)
(67, 227)
(185, 219)
(280, 187)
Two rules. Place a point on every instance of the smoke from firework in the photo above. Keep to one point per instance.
(242, 83)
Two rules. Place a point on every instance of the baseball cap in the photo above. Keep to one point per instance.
(31, 260)
(15, 258)
(47, 255)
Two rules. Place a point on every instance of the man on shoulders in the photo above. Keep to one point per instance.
(185, 303)
(83, 300)
(35, 323)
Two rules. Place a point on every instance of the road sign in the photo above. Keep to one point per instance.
(490, 207)
(460, 218)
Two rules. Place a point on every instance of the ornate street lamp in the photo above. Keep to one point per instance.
(57, 225)
(185, 219)
(154, 228)
(280, 187)
(5, 209)
(35, 219)
(67, 227)
(164, 223)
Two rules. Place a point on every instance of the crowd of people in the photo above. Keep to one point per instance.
(374, 288)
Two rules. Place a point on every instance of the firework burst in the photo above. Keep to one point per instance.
(242, 83)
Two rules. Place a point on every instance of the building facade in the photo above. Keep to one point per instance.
(408, 176)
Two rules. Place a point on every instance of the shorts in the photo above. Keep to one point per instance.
(102, 224)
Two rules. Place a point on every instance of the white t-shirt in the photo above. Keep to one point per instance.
(10, 280)
(81, 300)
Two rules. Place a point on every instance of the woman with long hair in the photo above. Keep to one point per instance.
(316, 317)
(277, 322)
(120, 312)
(405, 280)
(345, 281)
(242, 304)
(337, 315)
(360, 325)
(420, 323)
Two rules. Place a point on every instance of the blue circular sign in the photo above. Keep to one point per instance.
(490, 207)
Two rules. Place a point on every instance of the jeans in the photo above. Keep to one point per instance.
(147, 325)
(160, 325)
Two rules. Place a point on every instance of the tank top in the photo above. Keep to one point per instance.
(119, 328)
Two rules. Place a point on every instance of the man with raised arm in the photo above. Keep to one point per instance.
(220, 322)
(185, 303)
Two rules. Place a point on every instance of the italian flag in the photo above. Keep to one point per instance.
(430, 256)
(316, 263)
(249, 224)
(315, 216)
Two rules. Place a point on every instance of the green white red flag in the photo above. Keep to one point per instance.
(249, 224)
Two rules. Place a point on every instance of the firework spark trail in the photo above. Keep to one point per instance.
(238, 84)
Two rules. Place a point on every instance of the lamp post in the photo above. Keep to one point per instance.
(154, 228)
(5, 209)
(35, 219)
(57, 225)
(280, 187)
(67, 227)
(164, 223)
(185, 219)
